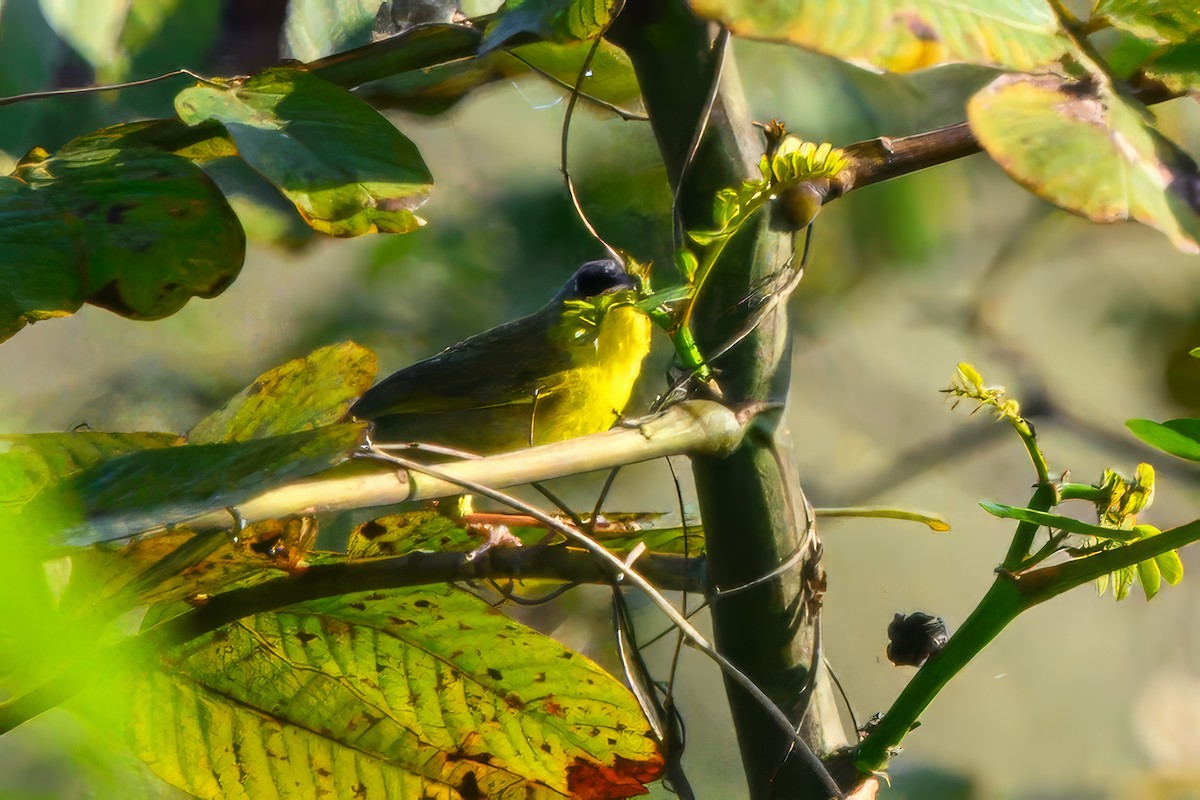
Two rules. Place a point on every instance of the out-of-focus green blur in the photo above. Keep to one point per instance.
(1086, 325)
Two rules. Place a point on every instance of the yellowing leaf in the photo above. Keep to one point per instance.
(412, 693)
(302, 394)
(902, 35)
(1090, 152)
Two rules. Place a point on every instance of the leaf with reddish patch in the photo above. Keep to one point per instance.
(402, 694)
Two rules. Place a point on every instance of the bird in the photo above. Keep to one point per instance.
(566, 370)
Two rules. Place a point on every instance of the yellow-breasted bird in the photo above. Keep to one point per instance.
(565, 370)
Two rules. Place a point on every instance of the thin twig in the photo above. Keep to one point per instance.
(108, 87)
(584, 71)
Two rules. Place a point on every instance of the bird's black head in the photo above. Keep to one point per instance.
(594, 279)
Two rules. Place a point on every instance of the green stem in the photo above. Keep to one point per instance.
(1082, 491)
(1002, 603)
(1042, 584)
(1045, 497)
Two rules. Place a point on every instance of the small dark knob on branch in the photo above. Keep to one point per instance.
(914, 638)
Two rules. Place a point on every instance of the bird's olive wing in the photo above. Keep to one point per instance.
(505, 365)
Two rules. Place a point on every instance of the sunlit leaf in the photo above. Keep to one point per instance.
(181, 564)
(346, 168)
(33, 465)
(266, 215)
(552, 20)
(611, 75)
(133, 230)
(1160, 20)
(1068, 524)
(316, 28)
(141, 490)
(1179, 437)
(413, 693)
(40, 639)
(1090, 152)
(93, 29)
(302, 394)
(902, 35)
(114, 35)
(1170, 566)
(1149, 577)
(425, 529)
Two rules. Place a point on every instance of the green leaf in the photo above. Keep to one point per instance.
(316, 28)
(133, 230)
(1149, 577)
(612, 76)
(303, 394)
(93, 29)
(424, 529)
(160, 487)
(346, 168)
(1068, 524)
(902, 35)
(266, 215)
(416, 49)
(115, 35)
(552, 20)
(1090, 152)
(412, 693)
(1160, 20)
(1178, 67)
(1170, 566)
(1179, 437)
(32, 467)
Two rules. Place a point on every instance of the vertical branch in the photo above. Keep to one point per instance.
(755, 514)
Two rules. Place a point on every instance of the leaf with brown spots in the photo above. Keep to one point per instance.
(327, 695)
(303, 394)
(123, 227)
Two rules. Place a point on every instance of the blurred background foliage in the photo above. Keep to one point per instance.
(1086, 325)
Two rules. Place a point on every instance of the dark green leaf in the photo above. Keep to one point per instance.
(346, 168)
(400, 694)
(302, 394)
(1179, 437)
(33, 465)
(159, 487)
(130, 229)
(417, 49)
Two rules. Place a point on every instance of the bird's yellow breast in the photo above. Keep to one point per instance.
(591, 395)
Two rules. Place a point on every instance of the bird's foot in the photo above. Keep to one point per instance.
(497, 536)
